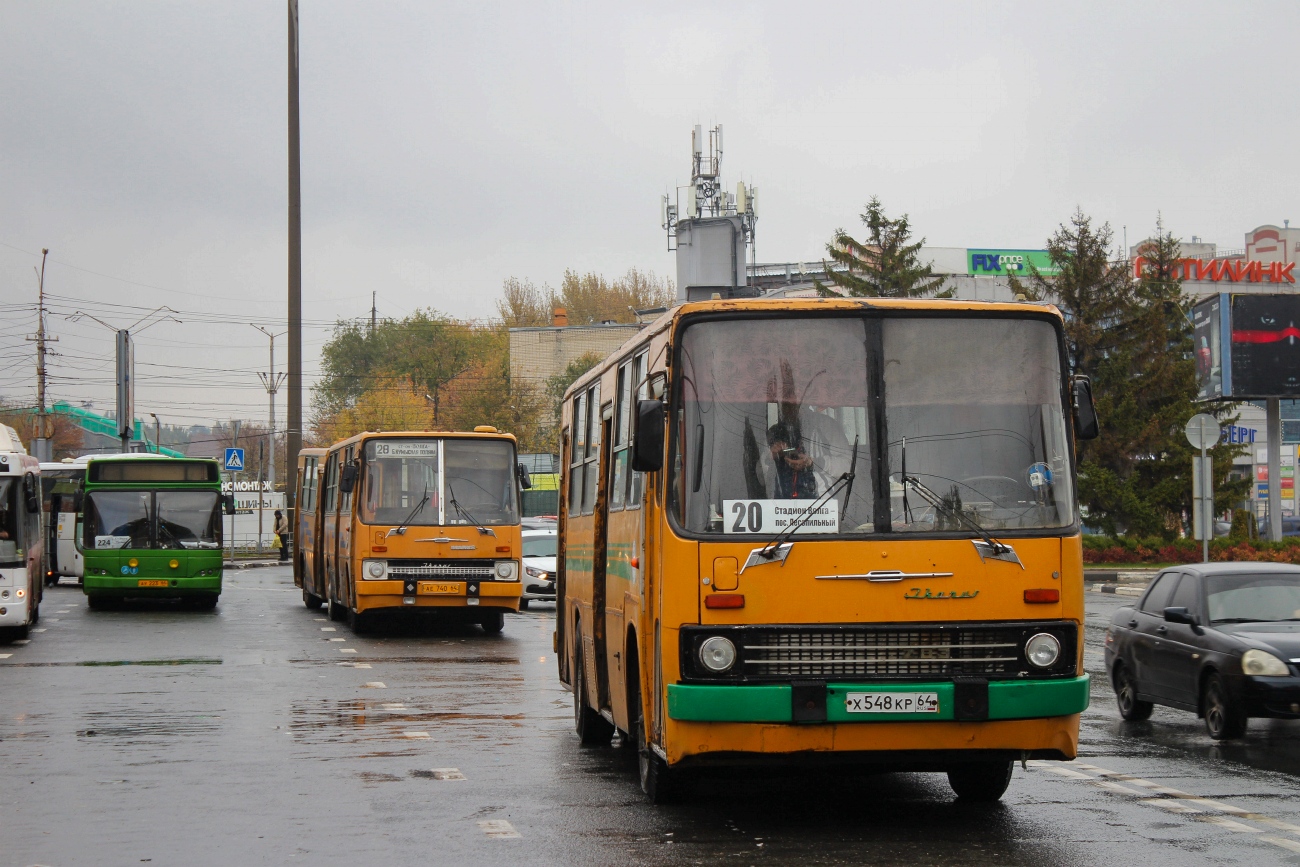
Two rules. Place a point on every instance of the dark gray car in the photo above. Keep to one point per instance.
(1219, 639)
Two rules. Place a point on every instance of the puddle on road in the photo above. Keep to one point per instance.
(116, 662)
(358, 720)
(143, 724)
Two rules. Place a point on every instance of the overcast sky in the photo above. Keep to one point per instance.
(448, 146)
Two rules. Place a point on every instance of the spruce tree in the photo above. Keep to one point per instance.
(884, 265)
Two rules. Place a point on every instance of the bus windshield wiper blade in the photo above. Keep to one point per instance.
(769, 551)
(464, 513)
(935, 500)
(400, 529)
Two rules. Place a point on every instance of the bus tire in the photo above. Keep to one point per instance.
(311, 600)
(492, 621)
(336, 611)
(14, 633)
(206, 602)
(980, 782)
(659, 783)
(592, 728)
(523, 604)
(97, 603)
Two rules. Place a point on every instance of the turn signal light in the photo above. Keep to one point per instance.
(503, 549)
(1043, 594)
(382, 549)
(724, 600)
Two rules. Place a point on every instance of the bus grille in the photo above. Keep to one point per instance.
(902, 653)
(455, 570)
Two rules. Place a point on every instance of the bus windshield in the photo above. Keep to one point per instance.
(118, 519)
(433, 482)
(11, 522)
(773, 412)
(188, 519)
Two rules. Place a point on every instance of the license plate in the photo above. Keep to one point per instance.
(892, 702)
(435, 588)
(150, 582)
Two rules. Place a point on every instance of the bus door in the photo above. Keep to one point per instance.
(343, 558)
(327, 543)
(606, 622)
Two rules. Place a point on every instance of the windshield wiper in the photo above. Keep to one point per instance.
(1248, 620)
(938, 502)
(464, 513)
(400, 529)
(769, 551)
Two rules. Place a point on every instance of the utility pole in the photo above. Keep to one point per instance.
(271, 382)
(41, 446)
(373, 312)
(293, 432)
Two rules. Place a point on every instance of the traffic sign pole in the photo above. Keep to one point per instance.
(1203, 432)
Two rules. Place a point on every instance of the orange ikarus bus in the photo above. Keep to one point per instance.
(840, 529)
(411, 520)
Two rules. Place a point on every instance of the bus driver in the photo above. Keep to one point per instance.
(794, 466)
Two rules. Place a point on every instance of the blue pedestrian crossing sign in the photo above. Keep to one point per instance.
(234, 460)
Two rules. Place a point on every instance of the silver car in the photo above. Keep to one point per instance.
(539, 566)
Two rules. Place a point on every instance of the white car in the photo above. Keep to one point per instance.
(539, 566)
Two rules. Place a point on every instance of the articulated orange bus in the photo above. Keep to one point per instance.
(411, 520)
(838, 529)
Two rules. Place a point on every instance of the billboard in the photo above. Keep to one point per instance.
(984, 263)
(1247, 346)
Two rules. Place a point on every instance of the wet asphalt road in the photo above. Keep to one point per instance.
(261, 733)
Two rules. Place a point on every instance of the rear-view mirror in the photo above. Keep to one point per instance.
(1180, 615)
(1086, 426)
(648, 439)
(348, 478)
(525, 480)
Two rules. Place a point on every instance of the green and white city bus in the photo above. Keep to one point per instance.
(151, 528)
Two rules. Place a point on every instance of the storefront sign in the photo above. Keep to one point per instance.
(1230, 270)
(1018, 262)
(1261, 474)
(1236, 434)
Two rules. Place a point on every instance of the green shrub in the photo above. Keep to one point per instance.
(1103, 549)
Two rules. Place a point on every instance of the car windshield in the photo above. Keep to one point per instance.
(1252, 598)
(539, 546)
(770, 413)
(188, 519)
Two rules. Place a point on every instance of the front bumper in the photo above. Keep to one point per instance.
(373, 595)
(1277, 697)
(114, 585)
(786, 703)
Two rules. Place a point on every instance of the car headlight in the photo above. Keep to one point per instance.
(1043, 650)
(506, 570)
(1261, 663)
(374, 568)
(534, 572)
(717, 654)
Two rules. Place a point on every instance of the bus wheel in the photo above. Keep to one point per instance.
(523, 604)
(14, 633)
(492, 621)
(206, 602)
(658, 782)
(981, 782)
(592, 728)
(311, 600)
(97, 603)
(336, 611)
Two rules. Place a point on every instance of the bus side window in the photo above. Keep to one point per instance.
(577, 451)
(592, 471)
(332, 484)
(619, 465)
(346, 505)
(640, 387)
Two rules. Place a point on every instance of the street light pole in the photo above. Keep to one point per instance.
(271, 382)
(157, 433)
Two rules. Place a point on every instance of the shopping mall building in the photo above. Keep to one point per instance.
(1264, 265)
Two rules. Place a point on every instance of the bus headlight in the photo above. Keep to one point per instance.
(506, 570)
(1043, 650)
(374, 569)
(717, 654)
(1261, 663)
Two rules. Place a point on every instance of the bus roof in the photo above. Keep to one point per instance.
(483, 433)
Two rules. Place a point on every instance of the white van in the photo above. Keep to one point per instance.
(22, 538)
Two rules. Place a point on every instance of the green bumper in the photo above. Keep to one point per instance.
(771, 703)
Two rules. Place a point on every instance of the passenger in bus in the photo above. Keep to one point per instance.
(794, 467)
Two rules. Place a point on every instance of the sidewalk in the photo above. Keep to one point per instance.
(254, 564)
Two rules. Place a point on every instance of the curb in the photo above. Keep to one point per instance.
(255, 564)
(1120, 590)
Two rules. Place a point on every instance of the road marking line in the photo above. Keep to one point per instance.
(1285, 844)
(451, 775)
(5, 655)
(1230, 825)
(328, 629)
(320, 619)
(346, 650)
(418, 736)
(1171, 806)
(42, 629)
(1066, 772)
(336, 639)
(375, 684)
(21, 641)
(499, 828)
(1116, 787)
